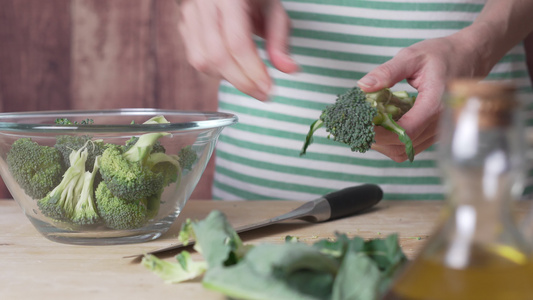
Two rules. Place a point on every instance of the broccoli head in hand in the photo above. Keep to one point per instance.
(353, 116)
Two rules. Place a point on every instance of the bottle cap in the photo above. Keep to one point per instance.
(494, 101)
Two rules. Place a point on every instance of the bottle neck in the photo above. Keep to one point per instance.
(482, 168)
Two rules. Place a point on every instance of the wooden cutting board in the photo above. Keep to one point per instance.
(32, 267)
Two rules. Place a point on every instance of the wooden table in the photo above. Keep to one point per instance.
(32, 267)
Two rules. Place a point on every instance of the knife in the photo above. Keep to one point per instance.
(334, 205)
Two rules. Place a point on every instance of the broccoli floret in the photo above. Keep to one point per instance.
(156, 148)
(118, 213)
(65, 121)
(152, 205)
(351, 119)
(159, 162)
(85, 212)
(60, 203)
(127, 174)
(187, 157)
(68, 143)
(166, 165)
(37, 169)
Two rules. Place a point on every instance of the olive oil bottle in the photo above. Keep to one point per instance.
(478, 250)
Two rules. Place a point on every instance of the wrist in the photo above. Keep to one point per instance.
(479, 45)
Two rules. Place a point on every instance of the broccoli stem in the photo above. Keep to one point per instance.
(401, 101)
(309, 138)
(85, 212)
(157, 158)
(157, 120)
(60, 203)
(388, 123)
(142, 148)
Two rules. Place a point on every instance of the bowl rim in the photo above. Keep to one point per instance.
(214, 120)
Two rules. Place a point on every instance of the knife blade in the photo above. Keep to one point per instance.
(334, 205)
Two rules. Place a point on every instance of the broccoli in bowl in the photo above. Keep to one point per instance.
(87, 180)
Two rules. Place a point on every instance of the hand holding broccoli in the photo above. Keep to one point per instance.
(352, 118)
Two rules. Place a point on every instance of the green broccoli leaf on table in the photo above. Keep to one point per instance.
(353, 116)
(344, 268)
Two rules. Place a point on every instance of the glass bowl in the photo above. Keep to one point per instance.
(42, 165)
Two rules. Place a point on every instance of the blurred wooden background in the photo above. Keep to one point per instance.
(96, 54)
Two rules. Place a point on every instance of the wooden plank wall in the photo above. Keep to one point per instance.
(94, 54)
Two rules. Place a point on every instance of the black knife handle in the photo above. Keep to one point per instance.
(353, 199)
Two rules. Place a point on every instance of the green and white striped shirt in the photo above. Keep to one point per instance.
(336, 42)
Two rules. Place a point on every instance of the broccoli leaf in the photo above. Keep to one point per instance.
(358, 278)
(343, 268)
(218, 242)
(269, 271)
(185, 269)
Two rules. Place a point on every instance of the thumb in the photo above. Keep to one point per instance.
(277, 31)
(387, 74)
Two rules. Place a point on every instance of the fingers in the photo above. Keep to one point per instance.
(240, 63)
(218, 41)
(277, 33)
(400, 67)
(396, 150)
(190, 27)
(421, 124)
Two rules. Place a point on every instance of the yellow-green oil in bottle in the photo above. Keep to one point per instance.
(500, 273)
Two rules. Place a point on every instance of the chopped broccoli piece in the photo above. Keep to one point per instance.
(138, 171)
(37, 169)
(187, 157)
(156, 148)
(166, 165)
(85, 212)
(127, 174)
(65, 121)
(68, 143)
(159, 119)
(351, 119)
(152, 205)
(118, 213)
(61, 202)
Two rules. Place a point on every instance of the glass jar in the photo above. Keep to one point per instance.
(478, 250)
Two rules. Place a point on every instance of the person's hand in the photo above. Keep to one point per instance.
(427, 66)
(218, 40)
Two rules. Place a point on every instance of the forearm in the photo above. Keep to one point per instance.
(500, 26)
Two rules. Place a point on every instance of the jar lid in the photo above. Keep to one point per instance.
(484, 89)
(495, 100)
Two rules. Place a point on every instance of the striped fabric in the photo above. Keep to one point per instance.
(335, 44)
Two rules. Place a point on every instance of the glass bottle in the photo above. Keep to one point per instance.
(478, 250)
